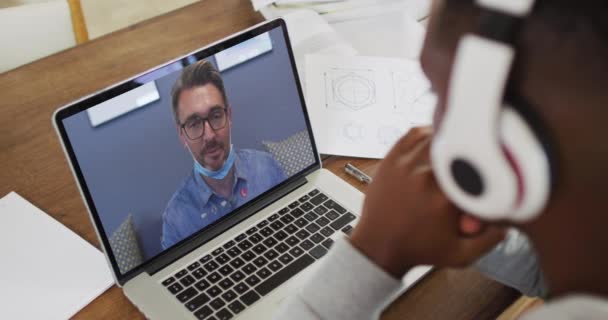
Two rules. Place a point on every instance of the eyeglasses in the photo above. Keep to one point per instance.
(195, 127)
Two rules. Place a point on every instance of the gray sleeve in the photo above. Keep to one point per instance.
(514, 263)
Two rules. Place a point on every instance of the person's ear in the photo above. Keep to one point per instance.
(181, 136)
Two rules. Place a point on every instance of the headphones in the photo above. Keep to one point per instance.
(487, 157)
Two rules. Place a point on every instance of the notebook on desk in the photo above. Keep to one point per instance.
(203, 181)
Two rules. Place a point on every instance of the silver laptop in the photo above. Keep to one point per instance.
(203, 182)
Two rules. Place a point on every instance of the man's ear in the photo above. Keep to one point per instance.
(181, 136)
(229, 112)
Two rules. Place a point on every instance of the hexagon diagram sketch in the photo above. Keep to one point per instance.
(350, 89)
(407, 89)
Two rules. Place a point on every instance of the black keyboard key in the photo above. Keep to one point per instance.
(217, 251)
(294, 204)
(302, 234)
(214, 277)
(214, 291)
(318, 252)
(270, 254)
(313, 227)
(343, 221)
(229, 295)
(270, 242)
(187, 280)
(202, 285)
(297, 212)
(284, 211)
(251, 230)
(327, 231)
(223, 314)
(296, 252)
(222, 258)
(236, 307)
(304, 198)
(260, 261)
(186, 294)
(348, 230)
(320, 210)
(203, 313)
(259, 249)
(197, 302)
(287, 218)
(237, 263)
(217, 303)
(263, 273)
(332, 215)
(194, 266)
(290, 229)
(301, 222)
(241, 288)
(330, 204)
(229, 244)
(212, 318)
(244, 245)
(318, 199)
(311, 216)
(233, 252)
(206, 258)
(286, 258)
(175, 288)
(262, 224)
(211, 265)
(266, 232)
(248, 256)
(240, 237)
(181, 273)
(285, 274)
(317, 238)
(281, 247)
(307, 245)
(273, 217)
(168, 281)
(322, 221)
(255, 238)
(277, 225)
(280, 235)
(226, 283)
(199, 273)
(226, 270)
(237, 276)
(313, 193)
(306, 206)
(250, 297)
(292, 241)
(249, 269)
(253, 280)
(328, 243)
(275, 266)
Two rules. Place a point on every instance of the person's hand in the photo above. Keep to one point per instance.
(407, 220)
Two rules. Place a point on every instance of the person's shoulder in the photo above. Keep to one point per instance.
(248, 154)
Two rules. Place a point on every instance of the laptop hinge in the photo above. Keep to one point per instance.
(235, 218)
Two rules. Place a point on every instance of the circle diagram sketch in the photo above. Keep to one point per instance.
(350, 89)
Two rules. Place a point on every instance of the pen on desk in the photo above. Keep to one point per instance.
(357, 173)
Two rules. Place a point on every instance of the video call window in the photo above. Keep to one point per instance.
(195, 140)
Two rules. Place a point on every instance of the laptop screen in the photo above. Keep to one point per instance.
(163, 157)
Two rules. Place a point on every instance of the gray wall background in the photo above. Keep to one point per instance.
(133, 164)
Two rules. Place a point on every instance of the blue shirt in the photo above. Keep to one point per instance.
(194, 205)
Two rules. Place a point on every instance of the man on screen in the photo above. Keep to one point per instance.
(223, 178)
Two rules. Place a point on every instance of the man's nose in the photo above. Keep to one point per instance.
(208, 133)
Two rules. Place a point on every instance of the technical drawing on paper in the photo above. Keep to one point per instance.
(349, 89)
(388, 135)
(407, 88)
(354, 132)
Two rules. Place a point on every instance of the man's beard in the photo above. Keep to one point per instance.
(213, 144)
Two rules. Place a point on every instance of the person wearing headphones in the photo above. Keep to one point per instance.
(223, 178)
(518, 142)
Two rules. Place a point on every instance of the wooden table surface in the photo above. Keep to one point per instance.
(33, 164)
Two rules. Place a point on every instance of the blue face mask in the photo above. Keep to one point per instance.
(219, 174)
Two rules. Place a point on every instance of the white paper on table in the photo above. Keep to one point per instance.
(258, 4)
(47, 271)
(360, 106)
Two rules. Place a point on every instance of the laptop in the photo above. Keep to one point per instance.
(179, 245)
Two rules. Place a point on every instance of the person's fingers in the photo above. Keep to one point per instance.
(412, 138)
(474, 247)
(470, 226)
(410, 158)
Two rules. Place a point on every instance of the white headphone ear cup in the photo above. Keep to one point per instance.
(532, 165)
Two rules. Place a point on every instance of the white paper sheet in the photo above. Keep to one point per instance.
(360, 106)
(47, 271)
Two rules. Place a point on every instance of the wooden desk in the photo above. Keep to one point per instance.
(32, 162)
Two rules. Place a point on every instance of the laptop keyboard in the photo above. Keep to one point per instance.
(239, 272)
